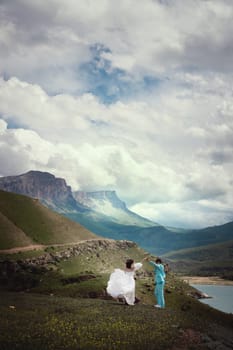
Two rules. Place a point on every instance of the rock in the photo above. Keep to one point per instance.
(44, 186)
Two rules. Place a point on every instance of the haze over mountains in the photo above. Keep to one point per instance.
(103, 213)
(57, 195)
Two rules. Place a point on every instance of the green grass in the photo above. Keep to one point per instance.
(67, 308)
(21, 255)
(41, 322)
(220, 251)
(11, 235)
(34, 321)
(101, 259)
(210, 260)
(35, 222)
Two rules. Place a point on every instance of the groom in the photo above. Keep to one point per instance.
(159, 280)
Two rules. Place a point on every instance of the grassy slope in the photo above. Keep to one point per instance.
(11, 235)
(77, 315)
(205, 253)
(214, 259)
(41, 322)
(158, 239)
(23, 217)
(60, 310)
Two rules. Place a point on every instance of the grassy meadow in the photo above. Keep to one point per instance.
(209, 260)
(55, 297)
(33, 321)
(67, 308)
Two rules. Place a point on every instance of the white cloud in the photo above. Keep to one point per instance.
(3, 127)
(156, 152)
(167, 149)
(188, 214)
(48, 41)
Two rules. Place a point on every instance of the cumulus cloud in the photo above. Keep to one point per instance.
(150, 152)
(49, 41)
(190, 214)
(136, 98)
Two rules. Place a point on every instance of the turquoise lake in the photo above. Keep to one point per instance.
(222, 296)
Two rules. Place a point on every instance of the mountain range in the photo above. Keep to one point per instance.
(103, 213)
(53, 294)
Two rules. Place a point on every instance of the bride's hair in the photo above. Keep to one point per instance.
(129, 263)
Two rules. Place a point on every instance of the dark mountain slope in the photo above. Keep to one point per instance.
(24, 220)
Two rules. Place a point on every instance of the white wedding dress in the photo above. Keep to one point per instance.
(122, 284)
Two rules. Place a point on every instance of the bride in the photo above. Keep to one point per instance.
(121, 283)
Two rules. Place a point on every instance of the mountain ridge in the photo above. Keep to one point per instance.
(109, 204)
(57, 195)
(52, 191)
(104, 214)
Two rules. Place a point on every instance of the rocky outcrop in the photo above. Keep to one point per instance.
(51, 191)
(107, 203)
(89, 198)
(49, 261)
(197, 294)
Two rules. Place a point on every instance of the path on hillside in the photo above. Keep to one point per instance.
(43, 246)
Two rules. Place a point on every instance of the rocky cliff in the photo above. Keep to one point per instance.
(57, 195)
(51, 191)
(91, 199)
(109, 204)
(49, 260)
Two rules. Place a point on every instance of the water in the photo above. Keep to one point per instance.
(222, 296)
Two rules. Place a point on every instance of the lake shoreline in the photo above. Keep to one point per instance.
(210, 280)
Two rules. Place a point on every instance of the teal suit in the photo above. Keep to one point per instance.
(160, 282)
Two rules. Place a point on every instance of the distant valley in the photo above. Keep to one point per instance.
(102, 213)
(59, 288)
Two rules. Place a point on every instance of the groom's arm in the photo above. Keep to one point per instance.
(152, 263)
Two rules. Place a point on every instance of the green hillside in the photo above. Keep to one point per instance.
(156, 239)
(56, 298)
(223, 251)
(214, 259)
(24, 221)
(11, 235)
(63, 305)
(123, 224)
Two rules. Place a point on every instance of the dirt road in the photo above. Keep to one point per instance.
(41, 246)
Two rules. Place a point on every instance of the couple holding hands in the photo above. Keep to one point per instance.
(121, 283)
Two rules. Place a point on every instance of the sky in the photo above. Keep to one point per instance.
(127, 95)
